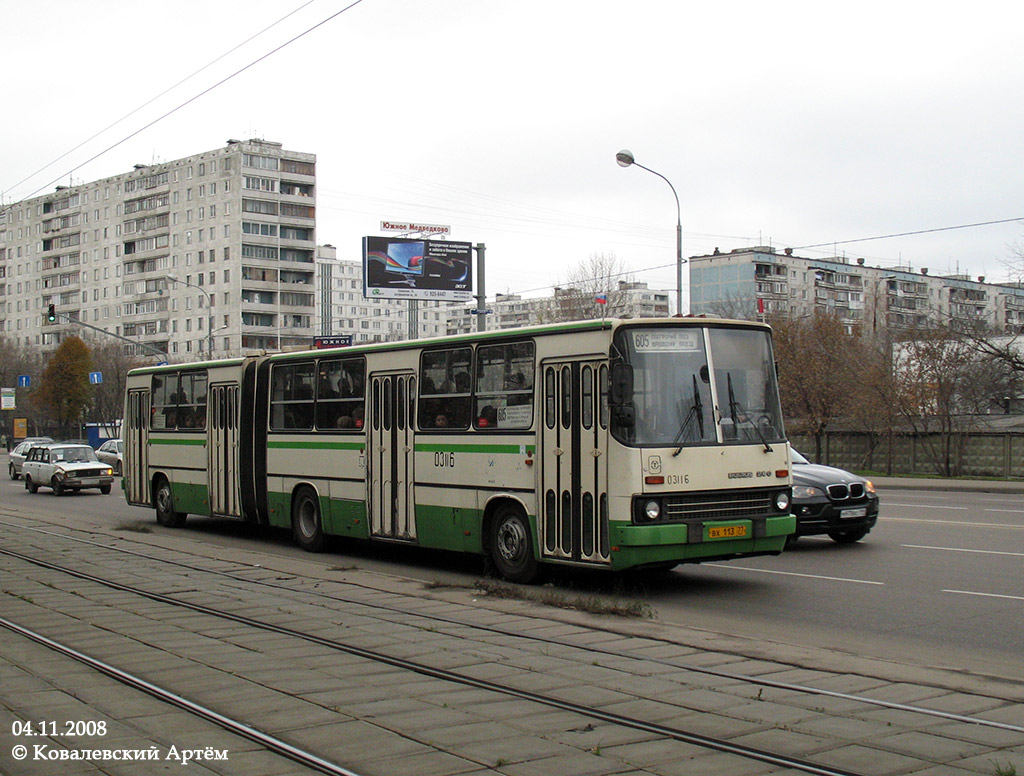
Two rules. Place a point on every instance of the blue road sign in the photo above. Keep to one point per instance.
(95, 377)
(24, 381)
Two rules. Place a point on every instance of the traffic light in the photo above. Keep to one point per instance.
(51, 314)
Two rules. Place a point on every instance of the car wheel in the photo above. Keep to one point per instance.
(117, 468)
(105, 490)
(165, 514)
(10, 470)
(57, 486)
(306, 524)
(848, 537)
(30, 486)
(512, 545)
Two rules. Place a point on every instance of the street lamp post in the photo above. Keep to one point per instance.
(625, 159)
(209, 309)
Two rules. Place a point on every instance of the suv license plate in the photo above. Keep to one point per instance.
(848, 513)
(728, 532)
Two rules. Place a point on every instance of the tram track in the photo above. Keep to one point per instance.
(665, 731)
(591, 649)
(668, 732)
(267, 741)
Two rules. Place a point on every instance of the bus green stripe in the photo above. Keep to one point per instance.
(316, 445)
(186, 442)
(476, 448)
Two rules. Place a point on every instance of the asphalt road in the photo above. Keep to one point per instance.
(940, 581)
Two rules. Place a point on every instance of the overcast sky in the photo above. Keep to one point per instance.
(790, 124)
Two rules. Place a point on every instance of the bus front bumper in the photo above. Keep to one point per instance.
(695, 542)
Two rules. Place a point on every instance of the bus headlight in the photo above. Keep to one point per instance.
(652, 510)
(782, 501)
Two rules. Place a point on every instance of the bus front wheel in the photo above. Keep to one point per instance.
(306, 523)
(165, 514)
(512, 545)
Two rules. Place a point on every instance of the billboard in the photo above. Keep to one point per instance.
(401, 268)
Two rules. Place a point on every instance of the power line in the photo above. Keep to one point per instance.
(200, 94)
(909, 234)
(154, 99)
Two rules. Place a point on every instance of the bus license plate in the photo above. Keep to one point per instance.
(728, 532)
(848, 513)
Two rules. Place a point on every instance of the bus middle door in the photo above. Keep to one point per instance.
(389, 457)
(574, 476)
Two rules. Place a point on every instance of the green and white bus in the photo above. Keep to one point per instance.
(606, 444)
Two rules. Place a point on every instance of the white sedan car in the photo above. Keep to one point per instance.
(63, 467)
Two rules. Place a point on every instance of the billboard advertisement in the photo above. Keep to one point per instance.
(402, 268)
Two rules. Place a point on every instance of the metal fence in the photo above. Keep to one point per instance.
(972, 454)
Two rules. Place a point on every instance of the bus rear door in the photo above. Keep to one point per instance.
(136, 448)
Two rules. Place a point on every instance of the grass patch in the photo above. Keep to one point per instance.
(440, 584)
(562, 600)
(135, 526)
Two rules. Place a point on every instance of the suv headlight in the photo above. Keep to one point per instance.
(806, 491)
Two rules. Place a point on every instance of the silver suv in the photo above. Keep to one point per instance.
(63, 467)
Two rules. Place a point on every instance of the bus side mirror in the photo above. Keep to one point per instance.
(622, 384)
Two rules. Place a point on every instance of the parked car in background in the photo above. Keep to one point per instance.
(832, 501)
(18, 454)
(111, 452)
(62, 467)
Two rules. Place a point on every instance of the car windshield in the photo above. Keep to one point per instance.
(72, 455)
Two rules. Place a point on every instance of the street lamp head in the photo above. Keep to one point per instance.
(624, 158)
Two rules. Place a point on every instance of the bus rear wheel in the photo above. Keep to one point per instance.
(512, 545)
(306, 523)
(165, 514)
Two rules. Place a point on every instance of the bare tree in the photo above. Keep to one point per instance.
(15, 360)
(941, 384)
(818, 371)
(110, 360)
(603, 274)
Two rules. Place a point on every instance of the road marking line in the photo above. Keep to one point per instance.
(922, 506)
(961, 549)
(1011, 511)
(949, 522)
(791, 573)
(986, 595)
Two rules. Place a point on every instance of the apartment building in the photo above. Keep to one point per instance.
(626, 299)
(212, 253)
(755, 282)
(343, 310)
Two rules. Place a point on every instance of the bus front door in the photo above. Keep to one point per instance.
(136, 448)
(574, 476)
(389, 457)
(222, 445)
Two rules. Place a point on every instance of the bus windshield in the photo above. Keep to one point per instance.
(689, 389)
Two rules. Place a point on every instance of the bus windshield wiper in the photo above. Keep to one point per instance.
(735, 409)
(696, 411)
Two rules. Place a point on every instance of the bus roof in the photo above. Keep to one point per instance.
(497, 334)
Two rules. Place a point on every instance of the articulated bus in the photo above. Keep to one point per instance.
(606, 444)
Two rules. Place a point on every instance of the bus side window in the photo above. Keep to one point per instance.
(291, 397)
(339, 398)
(504, 386)
(446, 387)
(165, 401)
